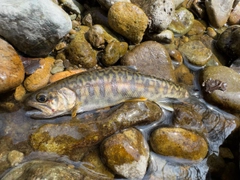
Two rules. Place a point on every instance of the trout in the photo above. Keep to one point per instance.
(96, 89)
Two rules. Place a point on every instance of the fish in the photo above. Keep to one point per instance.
(100, 88)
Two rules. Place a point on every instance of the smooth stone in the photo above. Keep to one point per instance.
(108, 3)
(66, 137)
(80, 52)
(230, 98)
(198, 28)
(150, 58)
(72, 5)
(96, 165)
(132, 28)
(196, 52)
(184, 76)
(34, 36)
(178, 142)
(113, 52)
(19, 93)
(40, 77)
(42, 169)
(182, 21)
(15, 157)
(218, 11)
(58, 66)
(178, 2)
(11, 67)
(166, 36)
(229, 41)
(234, 17)
(159, 12)
(126, 153)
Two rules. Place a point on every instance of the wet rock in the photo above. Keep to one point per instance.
(15, 157)
(72, 5)
(132, 28)
(19, 93)
(98, 36)
(184, 75)
(229, 41)
(178, 142)
(65, 137)
(64, 74)
(11, 67)
(6, 146)
(178, 2)
(150, 58)
(79, 51)
(213, 124)
(58, 66)
(108, 3)
(98, 16)
(40, 77)
(113, 52)
(218, 11)
(38, 36)
(42, 169)
(229, 98)
(225, 153)
(196, 52)
(162, 168)
(182, 21)
(166, 36)
(96, 165)
(159, 12)
(235, 14)
(126, 153)
(198, 28)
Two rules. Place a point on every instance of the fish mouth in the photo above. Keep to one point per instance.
(36, 110)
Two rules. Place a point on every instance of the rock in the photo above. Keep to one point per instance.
(40, 77)
(178, 2)
(98, 36)
(72, 5)
(178, 142)
(79, 51)
(184, 76)
(64, 74)
(166, 36)
(218, 11)
(64, 138)
(228, 97)
(182, 21)
(19, 93)
(108, 3)
(98, 16)
(229, 42)
(214, 124)
(34, 36)
(132, 28)
(11, 67)
(198, 28)
(113, 52)
(196, 52)
(6, 146)
(42, 169)
(150, 58)
(15, 157)
(96, 165)
(235, 15)
(58, 66)
(126, 153)
(159, 12)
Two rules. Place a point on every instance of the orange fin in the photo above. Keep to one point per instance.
(136, 99)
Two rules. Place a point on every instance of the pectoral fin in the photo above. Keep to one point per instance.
(166, 105)
(75, 109)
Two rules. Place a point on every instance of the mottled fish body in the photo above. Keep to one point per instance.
(100, 88)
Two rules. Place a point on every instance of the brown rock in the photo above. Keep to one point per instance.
(40, 77)
(235, 15)
(11, 67)
(178, 142)
(150, 58)
(128, 20)
(126, 150)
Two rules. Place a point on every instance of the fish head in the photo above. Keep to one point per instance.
(51, 103)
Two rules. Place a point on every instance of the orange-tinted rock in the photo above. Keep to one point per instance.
(40, 77)
(11, 67)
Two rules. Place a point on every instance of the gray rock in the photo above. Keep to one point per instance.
(33, 27)
(218, 11)
(159, 12)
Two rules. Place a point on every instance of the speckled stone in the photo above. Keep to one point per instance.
(126, 153)
(132, 28)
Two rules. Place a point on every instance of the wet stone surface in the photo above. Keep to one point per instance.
(192, 43)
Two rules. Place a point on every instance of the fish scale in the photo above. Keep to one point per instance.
(101, 88)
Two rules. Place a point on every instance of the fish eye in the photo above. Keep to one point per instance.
(42, 98)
